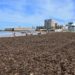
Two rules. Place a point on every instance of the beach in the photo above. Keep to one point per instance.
(48, 54)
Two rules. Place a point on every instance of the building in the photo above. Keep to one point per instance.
(9, 29)
(39, 28)
(65, 28)
(71, 28)
(50, 24)
(22, 29)
(58, 30)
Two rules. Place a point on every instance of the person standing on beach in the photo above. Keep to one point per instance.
(14, 34)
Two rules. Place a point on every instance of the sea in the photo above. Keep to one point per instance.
(8, 34)
(11, 34)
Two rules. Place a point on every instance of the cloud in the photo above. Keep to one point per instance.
(34, 12)
(58, 9)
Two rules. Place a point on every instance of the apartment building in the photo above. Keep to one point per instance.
(50, 24)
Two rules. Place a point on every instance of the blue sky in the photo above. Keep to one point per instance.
(28, 13)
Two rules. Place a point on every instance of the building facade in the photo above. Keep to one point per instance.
(9, 29)
(50, 24)
(22, 29)
(71, 28)
(39, 27)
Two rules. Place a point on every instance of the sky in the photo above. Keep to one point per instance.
(28, 13)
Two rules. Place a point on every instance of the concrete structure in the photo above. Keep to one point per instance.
(50, 24)
(39, 28)
(18, 29)
(65, 28)
(58, 30)
(9, 29)
(22, 29)
(71, 28)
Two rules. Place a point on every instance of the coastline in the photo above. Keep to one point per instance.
(18, 33)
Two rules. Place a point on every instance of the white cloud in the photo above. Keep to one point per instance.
(62, 10)
(57, 9)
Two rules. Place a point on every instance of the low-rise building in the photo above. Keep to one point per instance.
(39, 28)
(71, 28)
(9, 29)
(22, 29)
(58, 30)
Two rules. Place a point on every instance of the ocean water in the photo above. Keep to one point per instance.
(5, 34)
(11, 34)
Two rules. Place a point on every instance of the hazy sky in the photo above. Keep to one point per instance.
(33, 12)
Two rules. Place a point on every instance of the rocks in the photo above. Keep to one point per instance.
(50, 54)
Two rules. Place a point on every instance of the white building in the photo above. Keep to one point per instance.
(71, 28)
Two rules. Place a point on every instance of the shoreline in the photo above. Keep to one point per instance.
(17, 34)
